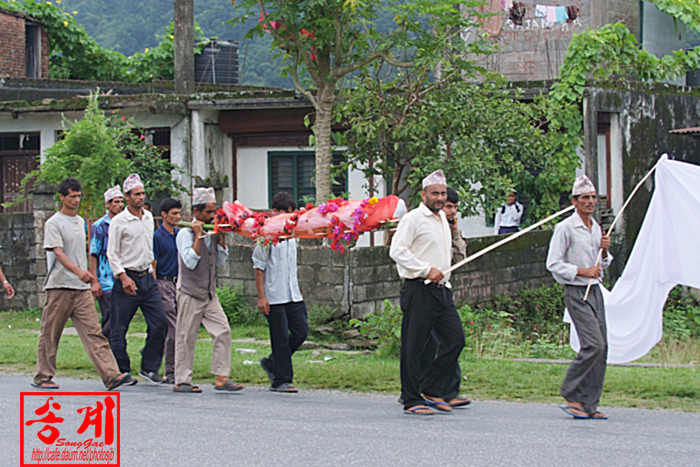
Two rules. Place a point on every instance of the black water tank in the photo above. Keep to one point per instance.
(218, 63)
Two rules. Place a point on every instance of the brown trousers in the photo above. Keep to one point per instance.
(192, 312)
(168, 294)
(79, 305)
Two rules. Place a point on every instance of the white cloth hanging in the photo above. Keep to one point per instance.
(664, 255)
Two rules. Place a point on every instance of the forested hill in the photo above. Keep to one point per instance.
(129, 26)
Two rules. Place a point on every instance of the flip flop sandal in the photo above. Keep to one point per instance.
(228, 386)
(414, 411)
(461, 403)
(184, 387)
(284, 387)
(119, 382)
(567, 409)
(593, 416)
(45, 385)
(438, 405)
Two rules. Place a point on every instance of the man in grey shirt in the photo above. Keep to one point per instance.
(280, 300)
(68, 295)
(572, 260)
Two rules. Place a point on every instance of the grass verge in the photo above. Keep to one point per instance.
(650, 388)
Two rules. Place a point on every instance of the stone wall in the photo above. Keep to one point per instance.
(359, 281)
(17, 257)
(22, 253)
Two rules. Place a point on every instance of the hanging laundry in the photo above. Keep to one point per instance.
(551, 16)
(517, 13)
(561, 14)
(572, 12)
(540, 11)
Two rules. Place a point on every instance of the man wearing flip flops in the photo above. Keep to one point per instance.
(197, 303)
(68, 295)
(280, 300)
(422, 248)
(573, 253)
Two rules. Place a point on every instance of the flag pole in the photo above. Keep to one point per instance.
(504, 241)
(612, 226)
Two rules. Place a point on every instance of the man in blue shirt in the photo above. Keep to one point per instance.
(165, 268)
(98, 263)
(280, 300)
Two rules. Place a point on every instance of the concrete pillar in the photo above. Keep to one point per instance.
(184, 46)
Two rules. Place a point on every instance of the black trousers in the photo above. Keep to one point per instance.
(123, 309)
(432, 347)
(428, 309)
(288, 330)
(105, 302)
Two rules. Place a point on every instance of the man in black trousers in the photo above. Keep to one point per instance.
(130, 254)
(422, 248)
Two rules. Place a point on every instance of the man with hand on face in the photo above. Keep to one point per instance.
(130, 254)
(99, 265)
(165, 268)
(573, 252)
(197, 302)
(422, 248)
(459, 244)
(280, 300)
(68, 295)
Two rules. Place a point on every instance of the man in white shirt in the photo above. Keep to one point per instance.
(508, 216)
(422, 248)
(130, 254)
(573, 252)
(280, 300)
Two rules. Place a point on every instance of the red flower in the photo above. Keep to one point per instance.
(123, 119)
(309, 205)
(143, 136)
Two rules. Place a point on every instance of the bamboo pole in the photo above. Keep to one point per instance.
(504, 241)
(612, 226)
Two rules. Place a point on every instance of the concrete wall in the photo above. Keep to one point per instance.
(646, 115)
(359, 281)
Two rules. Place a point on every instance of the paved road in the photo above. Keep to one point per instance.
(329, 428)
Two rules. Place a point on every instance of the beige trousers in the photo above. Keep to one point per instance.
(79, 305)
(192, 312)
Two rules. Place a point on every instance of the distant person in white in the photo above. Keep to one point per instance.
(508, 216)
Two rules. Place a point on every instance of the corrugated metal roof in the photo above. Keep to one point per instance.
(686, 131)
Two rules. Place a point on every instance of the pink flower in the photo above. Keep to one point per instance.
(488, 325)
(471, 322)
(144, 137)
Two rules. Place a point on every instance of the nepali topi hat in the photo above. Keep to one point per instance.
(114, 192)
(131, 182)
(203, 196)
(435, 178)
(582, 185)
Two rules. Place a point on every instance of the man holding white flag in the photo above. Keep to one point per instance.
(572, 258)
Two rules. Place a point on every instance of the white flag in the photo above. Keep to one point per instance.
(665, 254)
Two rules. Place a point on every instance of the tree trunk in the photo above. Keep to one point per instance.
(324, 142)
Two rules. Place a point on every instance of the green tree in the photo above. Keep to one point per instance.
(325, 41)
(486, 140)
(101, 151)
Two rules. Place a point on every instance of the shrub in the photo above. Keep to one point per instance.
(384, 326)
(682, 314)
(235, 307)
